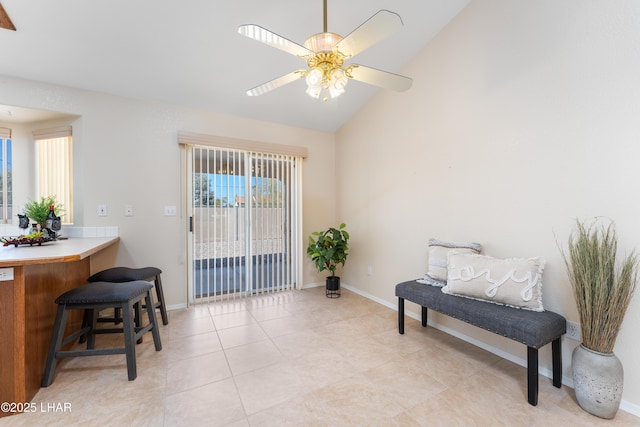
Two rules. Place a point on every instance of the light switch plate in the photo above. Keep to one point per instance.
(170, 211)
(102, 210)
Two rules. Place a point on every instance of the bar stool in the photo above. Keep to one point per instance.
(93, 298)
(127, 274)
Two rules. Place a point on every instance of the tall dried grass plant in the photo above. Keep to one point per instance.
(602, 288)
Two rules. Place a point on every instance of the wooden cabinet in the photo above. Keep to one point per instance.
(28, 309)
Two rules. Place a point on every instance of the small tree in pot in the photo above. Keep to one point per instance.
(327, 250)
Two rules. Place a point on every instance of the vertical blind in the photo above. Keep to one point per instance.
(244, 222)
(5, 176)
(54, 166)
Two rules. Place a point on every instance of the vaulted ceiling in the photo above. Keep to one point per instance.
(189, 52)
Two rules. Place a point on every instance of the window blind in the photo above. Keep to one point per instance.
(245, 223)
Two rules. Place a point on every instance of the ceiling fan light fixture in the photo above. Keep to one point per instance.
(321, 80)
(314, 77)
(322, 42)
(314, 81)
(337, 82)
(314, 91)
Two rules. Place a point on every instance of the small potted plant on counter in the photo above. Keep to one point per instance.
(38, 211)
(327, 250)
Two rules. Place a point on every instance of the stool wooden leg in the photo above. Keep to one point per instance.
(56, 342)
(153, 321)
(137, 318)
(129, 340)
(91, 335)
(86, 320)
(161, 303)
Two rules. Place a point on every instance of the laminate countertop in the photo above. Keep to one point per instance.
(71, 249)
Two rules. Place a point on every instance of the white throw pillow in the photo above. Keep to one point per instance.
(516, 282)
(438, 251)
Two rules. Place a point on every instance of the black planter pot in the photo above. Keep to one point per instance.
(333, 287)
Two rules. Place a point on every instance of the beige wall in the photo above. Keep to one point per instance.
(523, 117)
(126, 153)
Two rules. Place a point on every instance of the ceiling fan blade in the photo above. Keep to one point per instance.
(276, 83)
(383, 79)
(5, 21)
(265, 36)
(378, 27)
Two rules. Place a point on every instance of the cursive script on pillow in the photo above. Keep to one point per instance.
(516, 282)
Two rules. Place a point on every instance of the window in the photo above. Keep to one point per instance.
(6, 211)
(54, 167)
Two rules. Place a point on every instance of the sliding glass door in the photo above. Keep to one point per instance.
(244, 217)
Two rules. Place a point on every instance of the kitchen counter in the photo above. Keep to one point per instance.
(31, 278)
(73, 249)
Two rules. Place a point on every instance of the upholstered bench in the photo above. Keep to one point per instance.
(532, 328)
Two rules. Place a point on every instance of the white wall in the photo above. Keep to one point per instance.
(523, 117)
(126, 153)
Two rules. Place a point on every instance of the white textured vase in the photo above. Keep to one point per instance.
(597, 380)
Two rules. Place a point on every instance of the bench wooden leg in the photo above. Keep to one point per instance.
(557, 362)
(532, 375)
(401, 315)
(424, 316)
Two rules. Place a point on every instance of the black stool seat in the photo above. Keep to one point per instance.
(92, 298)
(125, 274)
(128, 274)
(103, 292)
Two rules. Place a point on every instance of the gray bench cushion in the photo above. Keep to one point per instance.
(535, 329)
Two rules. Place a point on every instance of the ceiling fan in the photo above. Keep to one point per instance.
(325, 54)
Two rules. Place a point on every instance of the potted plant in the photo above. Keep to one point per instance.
(327, 250)
(37, 211)
(602, 287)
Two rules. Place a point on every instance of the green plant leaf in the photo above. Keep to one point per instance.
(329, 248)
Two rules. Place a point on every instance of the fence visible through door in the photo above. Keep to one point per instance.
(243, 223)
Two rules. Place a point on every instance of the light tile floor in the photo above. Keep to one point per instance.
(301, 359)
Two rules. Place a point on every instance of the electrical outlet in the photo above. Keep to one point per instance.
(6, 274)
(573, 330)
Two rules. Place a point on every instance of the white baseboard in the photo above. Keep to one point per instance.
(176, 307)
